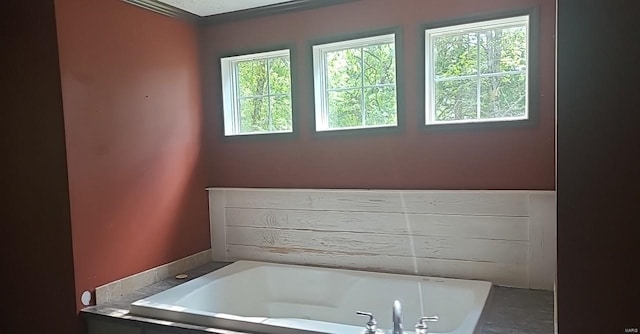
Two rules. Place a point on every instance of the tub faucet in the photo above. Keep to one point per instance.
(397, 318)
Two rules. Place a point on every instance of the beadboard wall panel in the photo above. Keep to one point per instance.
(501, 274)
(506, 237)
(494, 203)
(480, 227)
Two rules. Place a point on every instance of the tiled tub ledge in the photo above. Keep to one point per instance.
(509, 311)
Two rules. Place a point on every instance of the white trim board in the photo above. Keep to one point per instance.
(506, 237)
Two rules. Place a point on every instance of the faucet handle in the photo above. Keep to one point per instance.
(422, 326)
(372, 324)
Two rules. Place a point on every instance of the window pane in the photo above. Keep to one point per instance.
(503, 96)
(279, 75)
(281, 113)
(456, 100)
(343, 69)
(380, 106)
(503, 49)
(254, 115)
(252, 78)
(455, 55)
(379, 64)
(345, 108)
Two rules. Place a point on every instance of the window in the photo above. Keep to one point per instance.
(477, 72)
(257, 93)
(355, 83)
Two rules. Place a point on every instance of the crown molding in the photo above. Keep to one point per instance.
(268, 10)
(164, 9)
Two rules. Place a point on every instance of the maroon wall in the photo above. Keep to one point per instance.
(505, 158)
(35, 226)
(132, 109)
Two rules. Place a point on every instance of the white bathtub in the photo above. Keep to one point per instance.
(280, 299)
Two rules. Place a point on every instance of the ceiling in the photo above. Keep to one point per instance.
(214, 7)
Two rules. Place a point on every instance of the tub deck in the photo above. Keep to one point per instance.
(509, 310)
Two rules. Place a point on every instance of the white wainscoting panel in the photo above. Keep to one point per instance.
(506, 237)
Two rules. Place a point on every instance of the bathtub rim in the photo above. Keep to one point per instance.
(163, 312)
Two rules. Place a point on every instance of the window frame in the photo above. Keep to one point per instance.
(230, 95)
(318, 79)
(532, 80)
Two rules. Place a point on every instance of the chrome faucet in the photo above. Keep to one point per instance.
(397, 318)
(372, 324)
(422, 326)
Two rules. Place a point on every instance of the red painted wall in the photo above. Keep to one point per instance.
(132, 111)
(35, 224)
(466, 159)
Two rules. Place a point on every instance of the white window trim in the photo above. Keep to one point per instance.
(230, 93)
(320, 78)
(461, 28)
